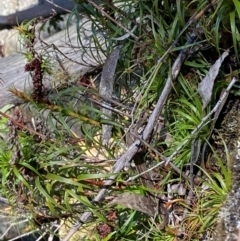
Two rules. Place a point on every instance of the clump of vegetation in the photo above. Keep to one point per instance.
(161, 120)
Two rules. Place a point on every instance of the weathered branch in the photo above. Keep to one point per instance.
(132, 150)
(12, 67)
(44, 10)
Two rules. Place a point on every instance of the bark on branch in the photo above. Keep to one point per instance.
(132, 150)
(45, 9)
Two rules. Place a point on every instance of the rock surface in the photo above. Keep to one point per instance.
(9, 38)
(11, 6)
(228, 228)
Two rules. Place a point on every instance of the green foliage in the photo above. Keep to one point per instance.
(57, 169)
(53, 24)
(25, 33)
(211, 196)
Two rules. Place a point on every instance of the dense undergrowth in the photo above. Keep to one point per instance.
(56, 165)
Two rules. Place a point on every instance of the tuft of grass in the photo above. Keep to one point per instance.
(61, 170)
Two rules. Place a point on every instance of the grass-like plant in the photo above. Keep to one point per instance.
(210, 197)
(57, 169)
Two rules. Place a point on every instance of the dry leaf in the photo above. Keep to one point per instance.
(206, 86)
(135, 202)
(106, 89)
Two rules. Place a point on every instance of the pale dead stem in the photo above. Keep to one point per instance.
(193, 133)
(56, 5)
(113, 20)
(132, 150)
(10, 227)
(174, 167)
(21, 126)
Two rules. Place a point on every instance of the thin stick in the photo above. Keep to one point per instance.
(55, 48)
(113, 20)
(132, 150)
(23, 235)
(174, 167)
(21, 126)
(193, 133)
(10, 226)
(56, 5)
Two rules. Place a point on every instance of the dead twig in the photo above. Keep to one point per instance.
(198, 128)
(132, 150)
(174, 167)
(113, 20)
(58, 6)
(21, 126)
(106, 89)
